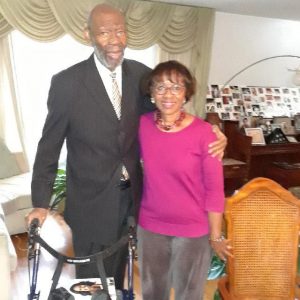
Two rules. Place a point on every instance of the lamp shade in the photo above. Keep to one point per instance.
(296, 79)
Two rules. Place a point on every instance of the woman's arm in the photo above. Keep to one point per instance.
(217, 241)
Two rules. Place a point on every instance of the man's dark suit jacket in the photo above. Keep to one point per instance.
(80, 111)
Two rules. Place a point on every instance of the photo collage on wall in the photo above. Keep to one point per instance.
(238, 102)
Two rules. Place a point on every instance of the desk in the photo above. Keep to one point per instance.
(233, 168)
(274, 149)
(262, 157)
(286, 177)
(235, 174)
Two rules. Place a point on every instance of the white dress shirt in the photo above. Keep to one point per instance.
(106, 78)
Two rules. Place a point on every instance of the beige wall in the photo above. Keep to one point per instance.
(241, 40)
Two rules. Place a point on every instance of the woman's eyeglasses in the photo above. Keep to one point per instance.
(175, 89)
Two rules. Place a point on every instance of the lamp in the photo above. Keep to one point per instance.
(297, 71)
(296, 79)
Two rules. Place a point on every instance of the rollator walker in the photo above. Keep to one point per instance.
(36, 242)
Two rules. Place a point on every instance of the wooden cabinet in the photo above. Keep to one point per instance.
(237, 158)
(262, 158)
(286, 177)
(234, 168)
(244, 161)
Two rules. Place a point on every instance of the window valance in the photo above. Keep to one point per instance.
(180, 31)
(175, 28)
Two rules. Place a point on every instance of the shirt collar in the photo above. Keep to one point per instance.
(105, 71)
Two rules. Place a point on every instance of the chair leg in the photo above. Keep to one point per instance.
(223, 288)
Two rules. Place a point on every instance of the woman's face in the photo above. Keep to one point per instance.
(86, 288)
(169, 94)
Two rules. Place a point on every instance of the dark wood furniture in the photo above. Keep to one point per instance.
(237, 158)
(233, 168)
(287, 177)
(262, 157)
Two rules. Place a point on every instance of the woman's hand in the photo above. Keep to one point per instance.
(221, 247)
(217, 148)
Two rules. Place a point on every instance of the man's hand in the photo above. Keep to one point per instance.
(37, 213)
(216, 149)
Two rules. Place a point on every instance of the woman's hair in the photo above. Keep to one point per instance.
(173, 70)
(84, 293)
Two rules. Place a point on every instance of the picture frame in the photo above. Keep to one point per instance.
(257, 135)
(297, 122)
(280, 120)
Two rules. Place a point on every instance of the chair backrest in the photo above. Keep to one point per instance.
(263, 225)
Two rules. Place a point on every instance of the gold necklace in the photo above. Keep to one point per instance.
(167, 127)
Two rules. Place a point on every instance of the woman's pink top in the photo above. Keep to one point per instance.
(182, 182)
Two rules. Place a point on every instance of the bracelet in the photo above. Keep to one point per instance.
(219, 239)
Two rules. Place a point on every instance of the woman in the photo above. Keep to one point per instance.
(183, 200)
(85, 288)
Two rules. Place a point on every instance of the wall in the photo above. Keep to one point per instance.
(241, 40)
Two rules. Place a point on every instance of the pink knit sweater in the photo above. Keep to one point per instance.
(182, 182)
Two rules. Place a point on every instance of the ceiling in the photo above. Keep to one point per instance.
(281, 9)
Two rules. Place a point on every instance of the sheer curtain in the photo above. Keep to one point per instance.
(11, 123)
(182, 32)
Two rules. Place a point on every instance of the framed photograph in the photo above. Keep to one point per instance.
(297, 122)
(280, 120)
(257, 135)
(288, 129)
(244, 122)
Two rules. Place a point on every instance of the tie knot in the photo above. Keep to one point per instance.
(113, 75)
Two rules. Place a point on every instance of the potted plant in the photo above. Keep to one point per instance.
(216, 270)
(59, 191)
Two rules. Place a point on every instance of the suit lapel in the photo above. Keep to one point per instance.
(128, 105)
(95, 86)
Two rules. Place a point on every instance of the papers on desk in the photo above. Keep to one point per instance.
(231, 162)
(286, 165)
(291, 139)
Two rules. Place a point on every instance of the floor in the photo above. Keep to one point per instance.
(58, 235)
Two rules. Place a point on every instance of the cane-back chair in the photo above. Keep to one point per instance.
(262, 222)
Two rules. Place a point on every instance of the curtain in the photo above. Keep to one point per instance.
(182, 32)
(10, 117)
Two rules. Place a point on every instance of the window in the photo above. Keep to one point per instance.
(36, 62)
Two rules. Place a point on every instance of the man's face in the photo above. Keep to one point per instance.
(108, 36)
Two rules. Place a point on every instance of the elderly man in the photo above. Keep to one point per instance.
(95, 106)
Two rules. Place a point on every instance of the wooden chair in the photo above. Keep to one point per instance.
(262, 222)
